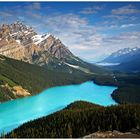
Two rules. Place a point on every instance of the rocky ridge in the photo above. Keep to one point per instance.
(21, 42)
(123, 55)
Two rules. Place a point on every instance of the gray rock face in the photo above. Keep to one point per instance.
(112, 134)
(21, 42)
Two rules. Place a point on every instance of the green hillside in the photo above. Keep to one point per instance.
(128, 88)
(31, 77)
(35, 78)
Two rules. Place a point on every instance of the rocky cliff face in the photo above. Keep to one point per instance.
(21, 42)
(11, 48)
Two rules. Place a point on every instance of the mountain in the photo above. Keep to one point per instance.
(27, 59)
(126, 60)
(21, 42)
(123, 55)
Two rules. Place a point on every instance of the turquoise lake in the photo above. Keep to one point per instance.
(16, 112)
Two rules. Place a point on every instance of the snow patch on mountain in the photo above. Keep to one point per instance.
(107, 64)
(18, 41)
(73, 66)
(125, 51)
(123, 55)
(78, 67)
(37, 39)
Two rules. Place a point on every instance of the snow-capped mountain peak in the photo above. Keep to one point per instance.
(27, 45)
(37, 39)
(125, 51)
(21, 42)
(122, 55)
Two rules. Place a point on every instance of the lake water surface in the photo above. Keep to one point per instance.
(16, 112)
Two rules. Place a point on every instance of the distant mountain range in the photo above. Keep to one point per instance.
(127, 59)
(123, 55)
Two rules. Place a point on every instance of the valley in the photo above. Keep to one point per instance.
(36, 62)
(40, 71)
(31, 77)
(125, 65)
(50, 101)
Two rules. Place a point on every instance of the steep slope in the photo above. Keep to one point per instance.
(38, 49)
(58, 64)
(19, 79)
(21, 42)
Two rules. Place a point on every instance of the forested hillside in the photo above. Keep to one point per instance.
(34, 79)
(128, 88)
(79, 119)
(31, 77)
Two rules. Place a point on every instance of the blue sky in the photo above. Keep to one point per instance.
(91, 30)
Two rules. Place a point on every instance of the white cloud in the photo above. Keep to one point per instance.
(33, 6)
(75, 32)
(82, 38)
(128, 25)
(123, 40)
(91, 10)
(129, 9)
(5, 14)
